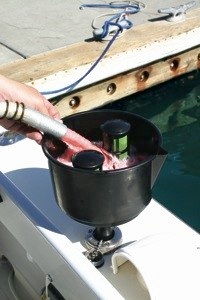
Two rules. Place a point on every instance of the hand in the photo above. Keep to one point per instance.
(14, 91)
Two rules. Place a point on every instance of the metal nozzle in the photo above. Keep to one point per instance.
(18, 112)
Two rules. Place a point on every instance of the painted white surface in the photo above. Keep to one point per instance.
(56, 242)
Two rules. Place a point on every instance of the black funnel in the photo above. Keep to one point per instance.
(107, 198)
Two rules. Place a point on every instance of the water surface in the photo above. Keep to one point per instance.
(174, 107)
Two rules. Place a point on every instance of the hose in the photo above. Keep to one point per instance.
(18, 112)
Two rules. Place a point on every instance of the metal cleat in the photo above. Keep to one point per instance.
(177, 13)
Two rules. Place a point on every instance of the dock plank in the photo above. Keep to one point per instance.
(140, 46)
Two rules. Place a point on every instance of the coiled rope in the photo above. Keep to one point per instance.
(112, 27)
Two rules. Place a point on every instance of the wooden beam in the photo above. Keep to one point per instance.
(128, 83)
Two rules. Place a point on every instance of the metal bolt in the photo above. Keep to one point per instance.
(106, 244)
(74, 102)
(174, 64)
(144, 76)
(95, 257)
(111, 88)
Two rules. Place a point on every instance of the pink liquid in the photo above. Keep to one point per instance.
(77, 143)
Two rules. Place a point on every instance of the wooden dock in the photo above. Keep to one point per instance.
(145, 55)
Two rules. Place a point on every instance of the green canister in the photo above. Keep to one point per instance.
(116, 137)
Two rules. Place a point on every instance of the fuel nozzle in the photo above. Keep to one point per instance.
(116, 137)
(88, 159)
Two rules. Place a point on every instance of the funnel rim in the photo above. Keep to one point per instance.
(97, 173)
(118, 111)
(148, 159)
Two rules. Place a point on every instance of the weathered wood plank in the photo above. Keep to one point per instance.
(141, 46)
(128, 83)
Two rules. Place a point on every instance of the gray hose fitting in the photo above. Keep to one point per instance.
(18, 112)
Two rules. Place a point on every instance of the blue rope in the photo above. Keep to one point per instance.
(110, 5)
(124, 24)
(72, 86)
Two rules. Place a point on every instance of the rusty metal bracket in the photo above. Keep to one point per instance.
(177, 13)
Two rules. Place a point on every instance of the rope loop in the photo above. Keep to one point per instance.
(119, 20)
(111, 29)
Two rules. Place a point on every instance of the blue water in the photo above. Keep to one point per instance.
(174, 107)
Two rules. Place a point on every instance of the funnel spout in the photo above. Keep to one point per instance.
(157, 164)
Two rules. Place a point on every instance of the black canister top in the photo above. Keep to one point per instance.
(116, 128)
(88, 159)
(116, 139)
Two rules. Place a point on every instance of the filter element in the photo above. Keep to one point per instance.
(116, 137)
